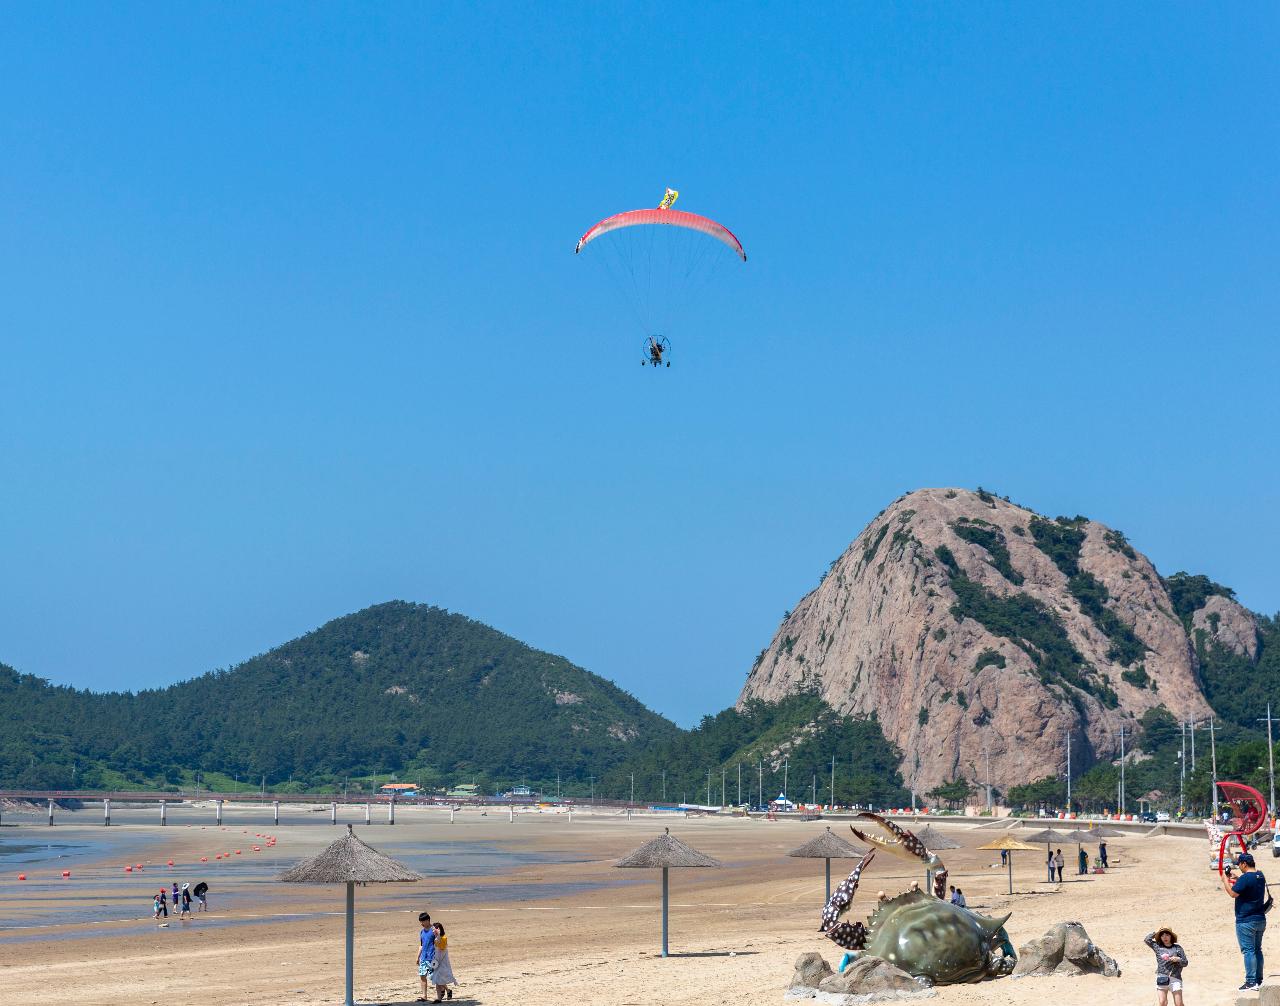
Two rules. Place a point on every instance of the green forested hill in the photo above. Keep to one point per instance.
(396, 688)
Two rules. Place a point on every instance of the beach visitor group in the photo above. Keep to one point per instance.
(434, 968)
(182, 900)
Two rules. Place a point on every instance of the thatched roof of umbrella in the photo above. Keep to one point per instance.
(933, 839)
(666, 852)
(1080, 835)
(349, 861)
(1105, 832)
(1046, 837)
(828, 846)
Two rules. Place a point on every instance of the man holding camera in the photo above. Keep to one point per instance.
(1249, 890)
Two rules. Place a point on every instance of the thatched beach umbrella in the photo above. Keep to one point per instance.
(666, 853)
(349, 861)
(1009, 844)
(934, 839)
(827, 846)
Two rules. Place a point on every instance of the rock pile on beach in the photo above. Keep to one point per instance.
(866, 980)
(1064, 950)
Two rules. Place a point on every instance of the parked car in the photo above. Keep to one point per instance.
(1162, 815)
(1147, 817)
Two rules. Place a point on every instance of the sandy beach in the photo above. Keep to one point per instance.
(537, 913)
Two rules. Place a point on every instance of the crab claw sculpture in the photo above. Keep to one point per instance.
(931, 939)
(902, 843)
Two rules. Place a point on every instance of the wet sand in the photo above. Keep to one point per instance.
(537, 913)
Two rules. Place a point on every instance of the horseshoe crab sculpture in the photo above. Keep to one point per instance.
(933, 940)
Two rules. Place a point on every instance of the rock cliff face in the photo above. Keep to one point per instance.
(975, 628)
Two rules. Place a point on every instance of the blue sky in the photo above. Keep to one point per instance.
(291, 322)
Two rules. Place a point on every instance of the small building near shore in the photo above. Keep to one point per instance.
(399, 789)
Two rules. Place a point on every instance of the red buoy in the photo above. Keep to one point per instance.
(65, 874)
(22, 876)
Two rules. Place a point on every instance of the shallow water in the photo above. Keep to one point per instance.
(238, 884)
(72, 922)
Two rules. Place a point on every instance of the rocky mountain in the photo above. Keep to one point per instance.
(974, 628)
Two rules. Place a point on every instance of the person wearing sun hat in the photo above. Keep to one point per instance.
(1170, 960)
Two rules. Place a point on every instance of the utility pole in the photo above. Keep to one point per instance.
(739, 784)
(633, 789)
(1068, 771)
(986, 753)
(1213, 752)
(1121, 801)
(664, 785)
(1271, 761)
(708, 787)
(1182, 770)
(721, 785)
(1193, 745)
(593, 791)
(760, 792)
(833, 780)
(813, 790)
(557, 784)
(786, 765)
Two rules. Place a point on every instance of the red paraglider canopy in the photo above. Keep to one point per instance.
(667, 218)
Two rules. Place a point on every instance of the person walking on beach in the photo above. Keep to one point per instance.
(155, 907)
(1249, 892)
(1049, 863)
(1058, 862)
(164, 902)
(443, 977)
(1170, 960)
(186, 900)
(1102, 851)
(426, 955)
(1083, 860)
